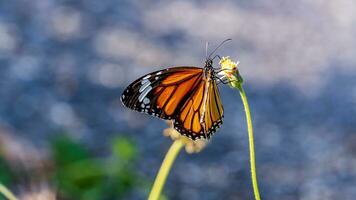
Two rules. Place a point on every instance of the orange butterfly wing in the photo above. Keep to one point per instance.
(202, 113)
(180, 94)
(160, 93)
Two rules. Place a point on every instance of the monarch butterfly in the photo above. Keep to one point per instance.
(187, 95)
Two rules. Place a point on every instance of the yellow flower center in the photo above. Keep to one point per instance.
(228, 67)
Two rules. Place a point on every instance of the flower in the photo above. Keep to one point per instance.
(230, 72)
(190, 145)
(228, 66)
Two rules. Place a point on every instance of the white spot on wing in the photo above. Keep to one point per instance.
(146, 100)
(144, 93)
(158, 73)
(146, 77)
(145, 83)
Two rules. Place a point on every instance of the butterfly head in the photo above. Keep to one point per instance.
(208, 63)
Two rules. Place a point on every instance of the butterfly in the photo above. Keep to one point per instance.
(187, 95)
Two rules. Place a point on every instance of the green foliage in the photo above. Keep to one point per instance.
(66, 151)
(124, 149)
(79, 175)
(6, 175)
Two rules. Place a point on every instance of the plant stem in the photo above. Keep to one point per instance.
(251, 143)
(7, 193)
(165, 168)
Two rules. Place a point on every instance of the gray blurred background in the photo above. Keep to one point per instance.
(64, 64)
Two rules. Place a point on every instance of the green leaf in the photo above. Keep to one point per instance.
(124, 148)
(66, 151)
(6, 175)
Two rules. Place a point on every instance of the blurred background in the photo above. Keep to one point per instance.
(64, 133)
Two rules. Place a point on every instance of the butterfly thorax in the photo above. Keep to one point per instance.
(208, 68)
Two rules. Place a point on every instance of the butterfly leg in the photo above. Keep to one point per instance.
(222, 80)
(218, 70)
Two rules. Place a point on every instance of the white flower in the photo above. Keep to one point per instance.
(228, 67)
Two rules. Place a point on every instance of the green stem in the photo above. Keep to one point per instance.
(252, 146)
(7, 193)
(165, 168)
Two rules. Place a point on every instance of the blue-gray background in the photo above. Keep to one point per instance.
(64, 64)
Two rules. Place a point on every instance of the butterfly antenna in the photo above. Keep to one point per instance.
(219, 46)
(206, 49)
